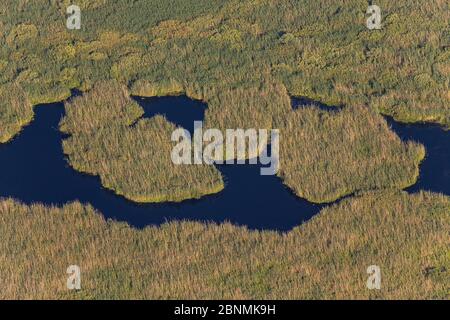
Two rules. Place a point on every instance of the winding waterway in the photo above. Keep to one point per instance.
(34, 169)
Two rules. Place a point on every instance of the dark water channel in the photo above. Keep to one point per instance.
(34, 169)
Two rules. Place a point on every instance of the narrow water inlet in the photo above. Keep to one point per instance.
(35, 170)
(41, 174)
(435, 169)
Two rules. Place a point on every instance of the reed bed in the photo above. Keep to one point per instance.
(15, 111)
(316, 49)
(326, 258)
(130, 154)
(325, 155)
(243, 58)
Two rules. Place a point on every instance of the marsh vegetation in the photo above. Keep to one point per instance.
(132, 155)
(245, 59)
(230, 52)
(327, 155)
(406, 235)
